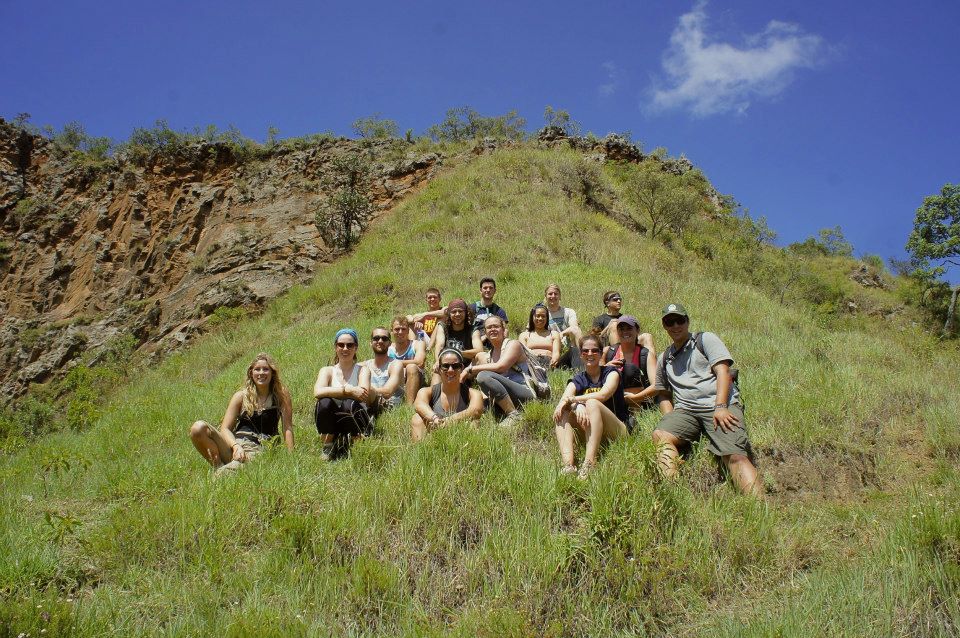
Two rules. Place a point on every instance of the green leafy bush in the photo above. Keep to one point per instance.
(464, 123)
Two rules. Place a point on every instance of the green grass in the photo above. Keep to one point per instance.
(472, 532)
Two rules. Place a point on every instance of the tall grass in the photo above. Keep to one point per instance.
(472, 532)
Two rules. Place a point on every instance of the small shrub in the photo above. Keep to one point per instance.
(224, 315)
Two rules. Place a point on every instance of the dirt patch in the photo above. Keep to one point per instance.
(824, 473)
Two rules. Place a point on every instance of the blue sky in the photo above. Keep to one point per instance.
(813, 114)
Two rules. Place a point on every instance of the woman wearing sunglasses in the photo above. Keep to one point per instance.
(342, 390)
(447, 401)
(592, 410)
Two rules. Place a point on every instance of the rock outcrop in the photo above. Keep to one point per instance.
(152, 248)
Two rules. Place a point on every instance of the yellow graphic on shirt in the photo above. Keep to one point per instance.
(429, 324)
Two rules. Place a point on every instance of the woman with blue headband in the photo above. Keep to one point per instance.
(341, 391)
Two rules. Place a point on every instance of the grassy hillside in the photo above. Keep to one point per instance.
(123, 530)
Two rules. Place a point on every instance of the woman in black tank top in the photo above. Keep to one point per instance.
(253, 416)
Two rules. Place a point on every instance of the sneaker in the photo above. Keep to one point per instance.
(585, 470)
(568, 469)
(512, 419)
(327, 453)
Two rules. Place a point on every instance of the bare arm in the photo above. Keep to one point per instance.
(395, 378)
(636, 398)
(323, 390)
(420, 316)
(286, 417)
(422, 404)
(722, 417)
(564, 404)
(555, 353)
(511, 354)
(229, 422)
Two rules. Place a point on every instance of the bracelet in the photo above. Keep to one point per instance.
(721, 405)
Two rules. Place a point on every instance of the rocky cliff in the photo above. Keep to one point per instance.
(152, 248)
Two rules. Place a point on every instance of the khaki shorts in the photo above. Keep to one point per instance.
(250, 448)
(689, 426)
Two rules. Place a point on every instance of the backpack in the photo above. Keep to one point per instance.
(629, 368)
(536, 374)
(697, 338)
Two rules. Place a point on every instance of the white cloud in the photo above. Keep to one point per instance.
(609, 87)
(716, 77)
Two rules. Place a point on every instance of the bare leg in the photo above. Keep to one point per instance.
(604, 426)
(210, 444)
(565, 439)
(412, 381)
(668, 456)
(743, 473)
(506, 404)
(418, 429)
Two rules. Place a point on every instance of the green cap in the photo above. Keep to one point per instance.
(674, 309)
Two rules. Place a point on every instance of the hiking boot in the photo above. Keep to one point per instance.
(585, 470)
(511, 420)
(566, 470)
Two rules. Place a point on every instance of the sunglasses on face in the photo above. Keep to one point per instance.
(612, 299)
(590, 350)
(669, 322)
(451, 366)
(624, 328)
(379, 338)
(346, 346)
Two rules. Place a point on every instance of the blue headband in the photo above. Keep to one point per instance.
(346, 331)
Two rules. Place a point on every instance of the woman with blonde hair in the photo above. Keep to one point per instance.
(253, 416)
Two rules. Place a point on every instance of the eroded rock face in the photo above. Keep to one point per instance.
(151, 249)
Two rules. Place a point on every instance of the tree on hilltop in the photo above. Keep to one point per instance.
(376, 127)
(464, 123)
(934, 243)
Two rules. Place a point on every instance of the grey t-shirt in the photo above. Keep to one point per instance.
(691, 375)
(561, 320)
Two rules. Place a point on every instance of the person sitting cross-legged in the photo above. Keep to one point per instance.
(564, 320)
(591, 410)
(500, 373)
(411, 352)
(386, 375)
(445, 402)
(540, 339)
(341, 391)
(695, 369)
(252, 417)
(636, 360)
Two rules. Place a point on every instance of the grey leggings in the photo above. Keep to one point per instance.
(497, 387)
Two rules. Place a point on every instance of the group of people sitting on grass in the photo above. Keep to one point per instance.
(615, 373)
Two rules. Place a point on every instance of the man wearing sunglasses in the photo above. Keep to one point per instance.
(386, 375)
(605, 326)
(706, 401)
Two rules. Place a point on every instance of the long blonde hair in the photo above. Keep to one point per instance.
(250, 388)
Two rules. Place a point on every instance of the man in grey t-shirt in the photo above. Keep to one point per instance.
(705, 402)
